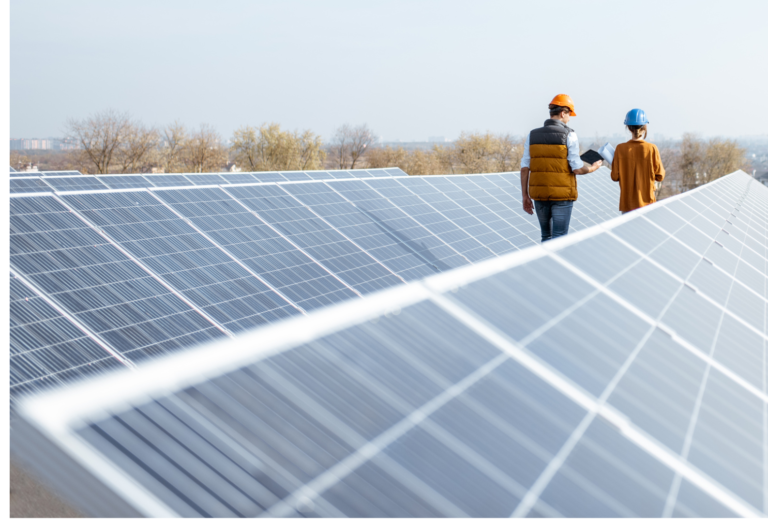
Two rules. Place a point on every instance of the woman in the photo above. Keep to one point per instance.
(636, 165)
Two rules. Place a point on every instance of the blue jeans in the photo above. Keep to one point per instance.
(554, 218)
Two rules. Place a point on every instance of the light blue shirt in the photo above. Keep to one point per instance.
(573, 152)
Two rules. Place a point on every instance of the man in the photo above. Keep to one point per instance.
(550, 161)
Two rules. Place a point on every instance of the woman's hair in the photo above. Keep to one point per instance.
(637, 129)
(555, 110)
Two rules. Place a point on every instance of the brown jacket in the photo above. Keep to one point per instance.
(636, 165)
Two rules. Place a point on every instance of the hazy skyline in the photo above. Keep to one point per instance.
(409, 70)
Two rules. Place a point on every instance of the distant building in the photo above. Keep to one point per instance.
(56, 144)
(231, 167)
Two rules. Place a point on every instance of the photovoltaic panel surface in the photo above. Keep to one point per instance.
(390, 254)
(13, 170)
(214, 282)
(237, 230)
(314, 236)
(551, 382)
(46, 346)
(59, 173)
(364, 231)
(84, 273)
(22, 185)
(167, 180)
(75, 183)
(134, 181)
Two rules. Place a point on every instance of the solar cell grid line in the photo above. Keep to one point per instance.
(185, 261)
(477, 229)
(239, 231)
(234, 258)
(507, 230)
(431, 219)
(26, 185)
(502, 207)
(48, 346)
(395, 171)
(348, 174)
(640, 451)
(388, 217)
(131, 181)
(75, 183)
(307, 230)
(167, 180)
(91, 278)
(397, 258)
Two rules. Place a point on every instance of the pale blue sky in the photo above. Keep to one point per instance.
(409, 69)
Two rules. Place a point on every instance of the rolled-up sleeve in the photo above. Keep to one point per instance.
(573, 151)
(526, 161)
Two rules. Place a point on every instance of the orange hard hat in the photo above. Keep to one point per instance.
(564, 100)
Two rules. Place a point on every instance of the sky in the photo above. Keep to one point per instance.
(408, 69)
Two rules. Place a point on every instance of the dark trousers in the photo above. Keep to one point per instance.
(554, 218)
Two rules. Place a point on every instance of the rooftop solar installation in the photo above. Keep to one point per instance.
(36, 184)
(150, 270)
(60, 173)
(595, 375)
(75, 183)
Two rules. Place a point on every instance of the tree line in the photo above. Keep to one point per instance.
(112, 142)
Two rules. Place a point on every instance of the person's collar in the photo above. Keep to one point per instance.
(552, 121)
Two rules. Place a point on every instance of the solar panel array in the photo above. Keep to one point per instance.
(13, 170)
(147, 271)
(73, 180)
(616, 372)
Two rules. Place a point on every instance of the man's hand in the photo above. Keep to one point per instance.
(586, 169)
(528, 204)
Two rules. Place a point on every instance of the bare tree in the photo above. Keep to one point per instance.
(204, 151)
(175, 137)
(269, 148)
(100, 137)
(349, 144)
(138, 148)
(509, 153)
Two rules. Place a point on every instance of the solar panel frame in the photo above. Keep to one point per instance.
(604, 435)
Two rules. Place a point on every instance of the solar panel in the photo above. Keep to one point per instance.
(75, 183)
(131, 181)
(85, 274)
(260, 247)
(47, 348)
(13, 170)
(562, 380)
(29, 185)
(396, 223)
(206, 179)
(167, 180)
(295, 176)
(228, 293)
(60, 173)
(315, 237)
(431, 219)
(365, 231)
(239, 178)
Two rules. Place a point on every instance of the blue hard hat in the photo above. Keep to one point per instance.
(636, 117)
